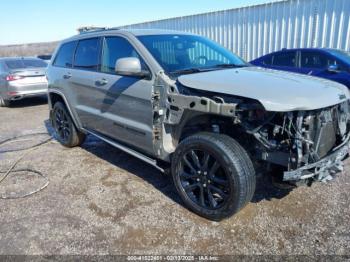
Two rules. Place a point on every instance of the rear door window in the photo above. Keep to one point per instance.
(285, 59)
(65, 55)
(87, 54)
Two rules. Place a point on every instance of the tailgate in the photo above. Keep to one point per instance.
(30, 76)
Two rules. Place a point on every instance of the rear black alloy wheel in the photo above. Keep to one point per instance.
(213, 175)
(67, 134)
(62, 125)
(204, 179)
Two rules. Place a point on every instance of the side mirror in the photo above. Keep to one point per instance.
(333, 69)
(130, 66)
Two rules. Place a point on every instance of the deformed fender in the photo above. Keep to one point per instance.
(170, 107)
(178, 103)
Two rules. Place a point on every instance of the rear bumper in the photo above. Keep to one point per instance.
(324, 169)
(17, 93)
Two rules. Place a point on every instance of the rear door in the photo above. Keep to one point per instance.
(81, 81)
(285, 61)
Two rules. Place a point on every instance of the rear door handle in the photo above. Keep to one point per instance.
(102, 82)
(67, 76)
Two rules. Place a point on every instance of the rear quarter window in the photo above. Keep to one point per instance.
(267, 60)
(64, 57)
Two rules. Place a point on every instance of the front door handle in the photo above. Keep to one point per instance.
(102, 82)
(67, 76)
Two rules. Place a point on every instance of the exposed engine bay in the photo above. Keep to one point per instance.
(309, 145)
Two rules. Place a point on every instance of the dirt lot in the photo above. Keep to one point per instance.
(103, 201)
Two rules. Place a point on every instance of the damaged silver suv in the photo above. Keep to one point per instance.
(184, 104)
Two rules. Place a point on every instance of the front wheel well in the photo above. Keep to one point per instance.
(196, 123)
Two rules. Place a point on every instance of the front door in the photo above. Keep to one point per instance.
(317, 63)
(123, 103)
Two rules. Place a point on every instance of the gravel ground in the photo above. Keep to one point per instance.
(103, 201)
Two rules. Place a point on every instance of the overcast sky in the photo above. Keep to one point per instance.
(28, 21)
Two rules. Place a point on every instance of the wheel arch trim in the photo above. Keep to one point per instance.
(57, 92)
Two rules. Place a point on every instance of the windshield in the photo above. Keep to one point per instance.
(25, 63)
(189, 53)
(342, 55)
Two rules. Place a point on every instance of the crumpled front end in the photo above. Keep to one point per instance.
(310, 144)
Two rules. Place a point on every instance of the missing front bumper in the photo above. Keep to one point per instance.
(322, 170)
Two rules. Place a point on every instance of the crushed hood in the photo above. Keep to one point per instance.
(276, 90)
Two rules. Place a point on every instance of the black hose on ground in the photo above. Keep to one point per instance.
(16, 138)
(11, 170)
(31, 192)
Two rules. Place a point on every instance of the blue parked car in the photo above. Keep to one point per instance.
(331, 64)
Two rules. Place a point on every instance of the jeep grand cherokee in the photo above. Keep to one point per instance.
(183, 103)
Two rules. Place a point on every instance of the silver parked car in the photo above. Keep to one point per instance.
(186, 105)
(20, 78)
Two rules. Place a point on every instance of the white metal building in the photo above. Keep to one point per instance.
(257, 30)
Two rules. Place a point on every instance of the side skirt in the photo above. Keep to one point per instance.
(151, 161)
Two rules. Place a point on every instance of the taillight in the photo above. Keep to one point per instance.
(10, 78)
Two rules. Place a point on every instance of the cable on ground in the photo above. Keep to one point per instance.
(12, 169)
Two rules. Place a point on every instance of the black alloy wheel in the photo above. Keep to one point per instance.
(66, 132)
(213, 175)
(204, 179)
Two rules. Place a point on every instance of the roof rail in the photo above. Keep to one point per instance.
(89, 29)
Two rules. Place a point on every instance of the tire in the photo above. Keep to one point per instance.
(66, 132)
(4, 102)
(231, 185)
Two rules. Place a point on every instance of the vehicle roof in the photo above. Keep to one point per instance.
(135, 32)
(140, 32)
(296, 49)
(18, 58)
(306, 48)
